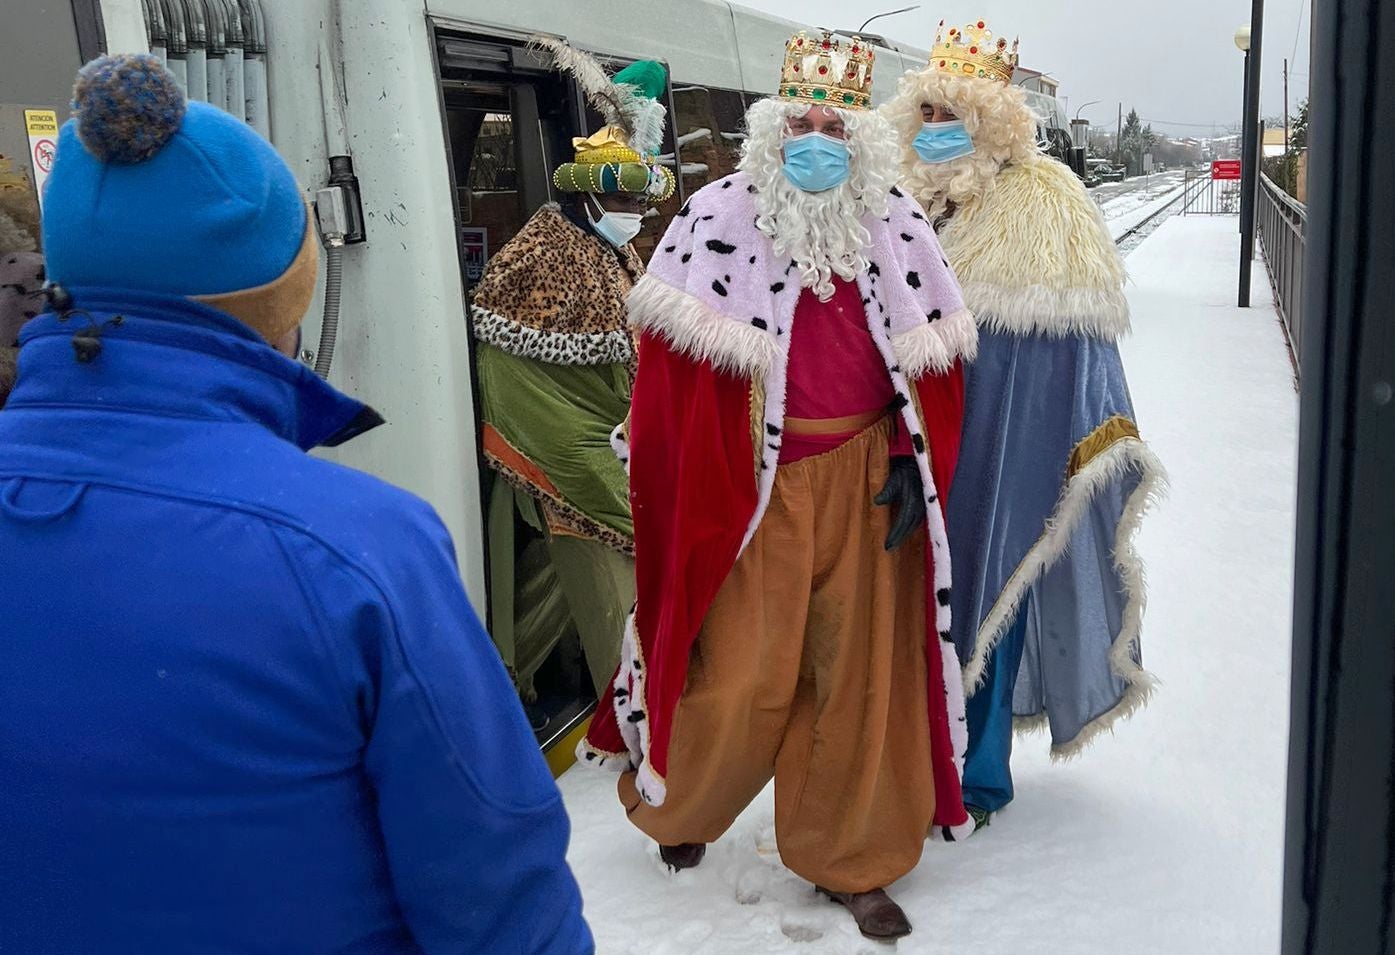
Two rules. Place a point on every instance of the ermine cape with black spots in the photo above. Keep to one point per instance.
(715, 314)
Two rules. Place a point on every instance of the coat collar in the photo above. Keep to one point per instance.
(172, 357)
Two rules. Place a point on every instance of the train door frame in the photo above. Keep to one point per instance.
(91, 29)
(1339, 868)
(504, 51)
(500, 43)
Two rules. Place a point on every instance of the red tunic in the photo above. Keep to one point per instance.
(835, 371)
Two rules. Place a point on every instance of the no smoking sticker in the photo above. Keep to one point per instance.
(43, 155)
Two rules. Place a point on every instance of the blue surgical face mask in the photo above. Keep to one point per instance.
(815, 162)
(942, 142)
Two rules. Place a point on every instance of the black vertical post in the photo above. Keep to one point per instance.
(1339, 872)
(1244, 104)
(534, 176)
(1249, 172)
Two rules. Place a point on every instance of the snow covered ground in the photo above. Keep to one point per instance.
(1126, 211)
(1166, 838)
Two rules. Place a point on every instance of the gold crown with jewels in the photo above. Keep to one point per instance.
(828, 72)
(973, 51)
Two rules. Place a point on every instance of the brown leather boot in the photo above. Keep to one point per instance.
(684, 856)
(877, 916)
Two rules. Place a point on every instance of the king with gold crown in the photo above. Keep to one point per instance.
(1049, 591)
(793, 432)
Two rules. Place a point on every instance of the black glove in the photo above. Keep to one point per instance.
(905, 489)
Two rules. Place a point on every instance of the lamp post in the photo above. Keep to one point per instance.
(1247, 39)
(889, 13)
(1080, 139)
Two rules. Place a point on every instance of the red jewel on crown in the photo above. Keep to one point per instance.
(854, 48)
(823, 70)
(973, 50)
(980, 24)
(826, 44)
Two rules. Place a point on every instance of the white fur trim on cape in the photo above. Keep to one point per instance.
(620, 445)
(933, 348)
(699, 331)
(956, 833)
(773, 415)
(1033, 255)
(1099, 313)
(631, 715)
(591, 756)
(1124, 456)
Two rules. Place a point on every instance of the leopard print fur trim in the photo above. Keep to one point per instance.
(554, 348)
(568, 515)
(556, 293)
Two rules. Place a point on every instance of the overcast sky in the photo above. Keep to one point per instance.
(1174, 60)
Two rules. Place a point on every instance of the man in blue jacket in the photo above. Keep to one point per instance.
(244, 704)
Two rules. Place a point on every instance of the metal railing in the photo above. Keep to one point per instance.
(1205, 196)
(1281, 224)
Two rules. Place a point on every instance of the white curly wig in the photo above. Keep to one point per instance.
(996, 116)
(821, 231)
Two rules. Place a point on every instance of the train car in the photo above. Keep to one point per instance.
(445, 129)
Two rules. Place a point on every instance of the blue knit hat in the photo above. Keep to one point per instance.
(150, 193)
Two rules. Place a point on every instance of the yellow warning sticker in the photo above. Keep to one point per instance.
(41, 122)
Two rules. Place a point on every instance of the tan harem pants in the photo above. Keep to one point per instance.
(810, 667)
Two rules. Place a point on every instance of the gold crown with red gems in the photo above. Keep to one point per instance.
(828, 72)
(973, 51)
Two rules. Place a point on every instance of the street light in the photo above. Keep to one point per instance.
(889, 13)
(1080, 140)
(1242, 43)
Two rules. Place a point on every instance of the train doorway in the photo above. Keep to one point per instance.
(509, 122)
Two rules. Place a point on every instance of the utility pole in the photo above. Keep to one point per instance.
(1289, 184)
(1119, 138)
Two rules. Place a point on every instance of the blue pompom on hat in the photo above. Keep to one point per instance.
(150, 193)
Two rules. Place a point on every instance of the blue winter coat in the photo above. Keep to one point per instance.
(244, 704)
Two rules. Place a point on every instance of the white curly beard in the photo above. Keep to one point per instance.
(821, 231)
(959, 181)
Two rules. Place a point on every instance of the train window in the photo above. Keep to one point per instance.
(503, 140)
(709, 127)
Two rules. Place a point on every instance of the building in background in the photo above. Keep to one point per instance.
(1035, 81)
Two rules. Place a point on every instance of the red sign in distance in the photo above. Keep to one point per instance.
(1225, 169)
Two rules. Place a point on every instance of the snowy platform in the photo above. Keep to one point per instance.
(1165, 838)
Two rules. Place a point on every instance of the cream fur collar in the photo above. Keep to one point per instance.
(1033, 255)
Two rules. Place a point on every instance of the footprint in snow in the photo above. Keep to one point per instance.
(681, 941)
(798, 928)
